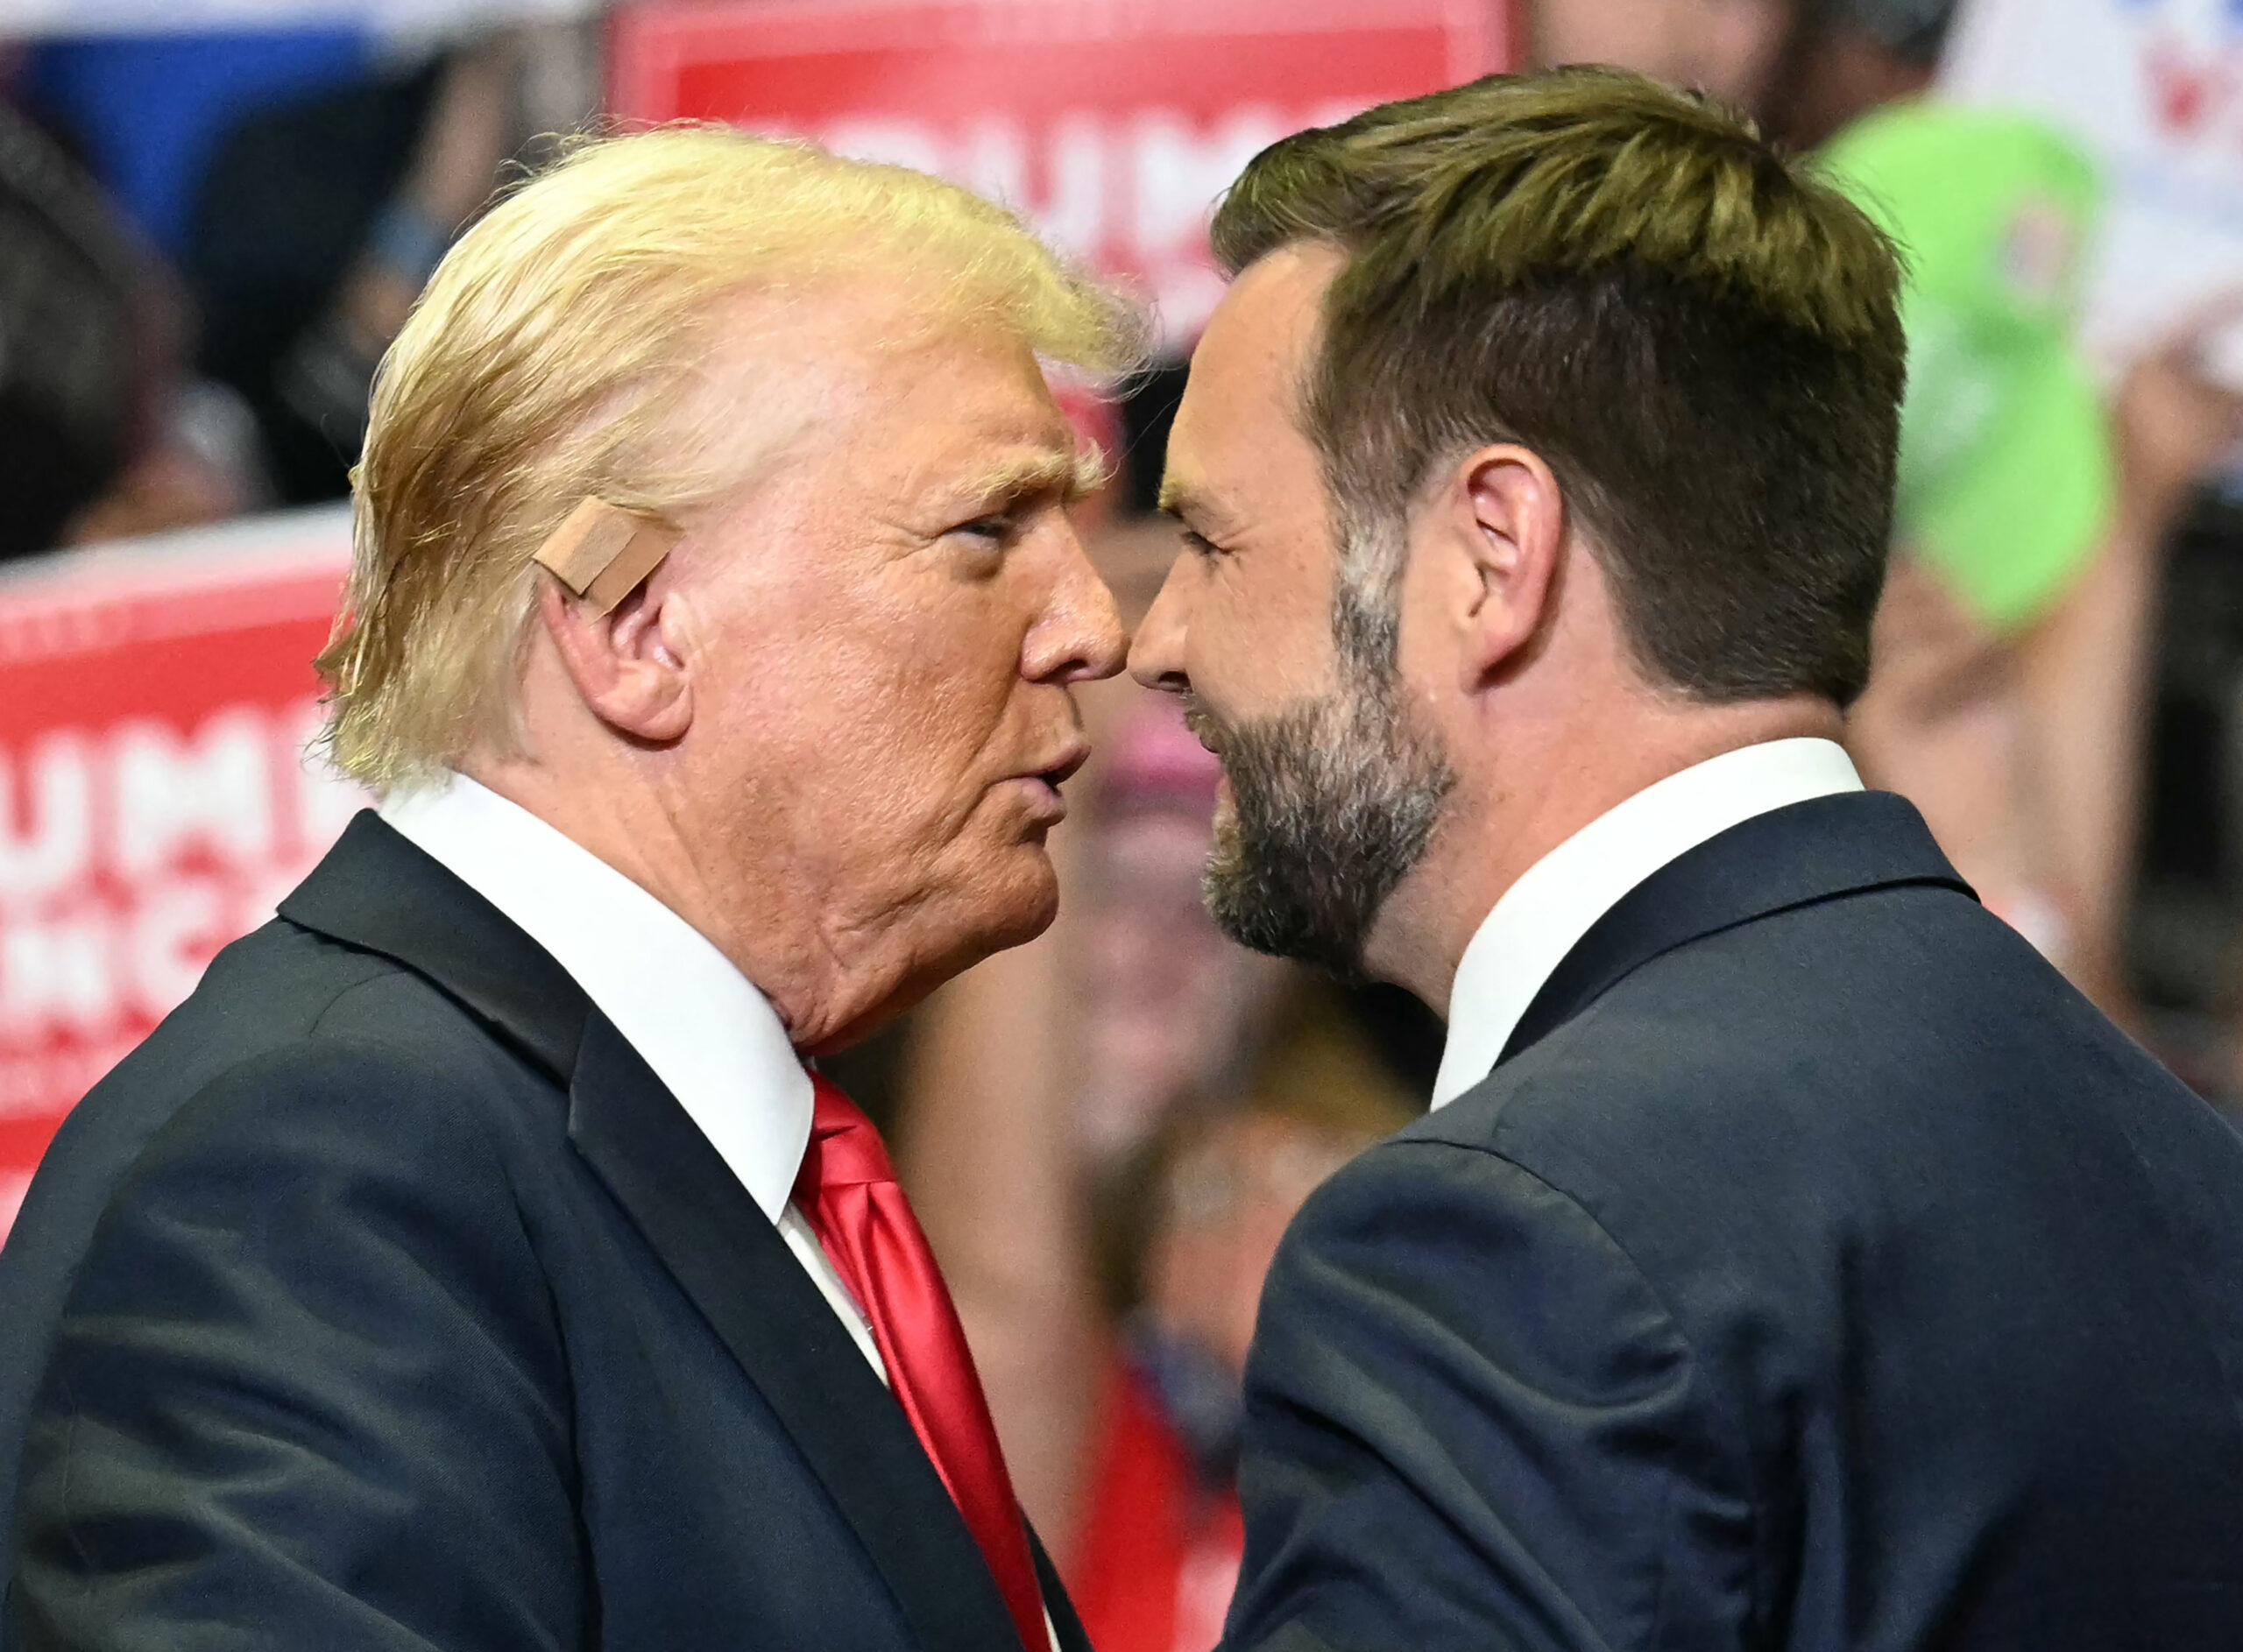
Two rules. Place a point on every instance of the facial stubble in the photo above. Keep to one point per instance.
(1334, 801)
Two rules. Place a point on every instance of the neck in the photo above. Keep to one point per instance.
(831, 980)
(1510, 810)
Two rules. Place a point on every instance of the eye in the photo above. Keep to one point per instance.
(999, 531)
(1200, 546)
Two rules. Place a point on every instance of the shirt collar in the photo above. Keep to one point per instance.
(694, 1019)
(1561, 896)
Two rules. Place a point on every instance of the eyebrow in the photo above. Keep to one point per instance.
(1185, 504)
(1070, 474)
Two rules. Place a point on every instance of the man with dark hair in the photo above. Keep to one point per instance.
(1791, 1259)
(70, 391)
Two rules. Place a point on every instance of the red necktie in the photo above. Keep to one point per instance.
(847, 1189)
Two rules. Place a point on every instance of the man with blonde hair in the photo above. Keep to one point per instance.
(474, 1262)
(1791, 1260)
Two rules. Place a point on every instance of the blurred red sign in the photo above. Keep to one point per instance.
(1113, 125)
(155, 705)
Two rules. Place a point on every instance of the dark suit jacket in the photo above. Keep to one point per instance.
(384, 1299)
(1816, 1270)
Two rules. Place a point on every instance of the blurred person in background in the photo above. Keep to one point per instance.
(1186, 1239)
(1852, 56)
(314, 228)
(146, 112)
(2012, 649)
(1164, 1001)
(71, 398)
(102, 433)
(2014, 643)
(305, 181)
(1735, 50)
(1800, 69)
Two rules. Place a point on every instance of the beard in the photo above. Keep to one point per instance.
(1333, 802)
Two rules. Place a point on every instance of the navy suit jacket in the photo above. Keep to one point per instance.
(1816, 1270)
(384, 1299)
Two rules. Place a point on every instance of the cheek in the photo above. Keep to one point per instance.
(1429, 639)
(1260, 641)
(900, 694)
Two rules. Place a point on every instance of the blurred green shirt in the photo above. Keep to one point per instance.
(2007, 472)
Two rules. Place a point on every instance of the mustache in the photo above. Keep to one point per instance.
(1208, 729)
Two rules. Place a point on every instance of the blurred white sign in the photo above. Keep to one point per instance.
(21, 18)
(2153, 89)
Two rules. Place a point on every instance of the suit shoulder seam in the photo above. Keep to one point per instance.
(1738, 1442)
(389, 970)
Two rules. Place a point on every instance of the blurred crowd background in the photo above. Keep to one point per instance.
(207, 236)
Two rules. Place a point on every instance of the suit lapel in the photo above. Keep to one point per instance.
(747, 1284)
(1793, 857)
(1068, 1627)
(377, 892)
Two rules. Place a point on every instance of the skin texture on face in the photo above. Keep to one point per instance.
(1728, 47)
(831, 726)
(1333, 789)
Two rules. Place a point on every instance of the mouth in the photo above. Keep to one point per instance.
(1041, 785)
(1058, 773)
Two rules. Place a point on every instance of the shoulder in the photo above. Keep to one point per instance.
(296, 1062)
(288, 1018)
(1432, 1231)
(1454, 1349)
(325, 1174)
(1782, 1040)
(1747, 1111)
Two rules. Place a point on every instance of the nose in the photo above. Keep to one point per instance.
(1078, 637)
(1157, 657)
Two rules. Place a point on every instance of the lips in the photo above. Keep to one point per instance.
(1061, 767)
(1039, 787)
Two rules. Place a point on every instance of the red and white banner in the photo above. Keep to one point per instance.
(1113, 125)
(155, 700)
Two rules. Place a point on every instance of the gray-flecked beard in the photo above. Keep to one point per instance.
(1333, 802)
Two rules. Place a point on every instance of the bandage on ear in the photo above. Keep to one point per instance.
(602, 552)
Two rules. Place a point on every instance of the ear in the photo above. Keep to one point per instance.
(1507, 520)
(623, 664)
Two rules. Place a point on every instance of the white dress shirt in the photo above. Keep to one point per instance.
(1522, 941)
(708, 1034)
(697, 1021)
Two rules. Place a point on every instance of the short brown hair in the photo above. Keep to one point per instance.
(553, 355)
(1701, 338)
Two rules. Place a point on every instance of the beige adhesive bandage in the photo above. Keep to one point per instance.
(602, 552)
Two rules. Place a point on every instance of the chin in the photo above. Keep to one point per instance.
(1023, 900)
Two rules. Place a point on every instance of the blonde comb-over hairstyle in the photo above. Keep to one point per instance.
(553, 356)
